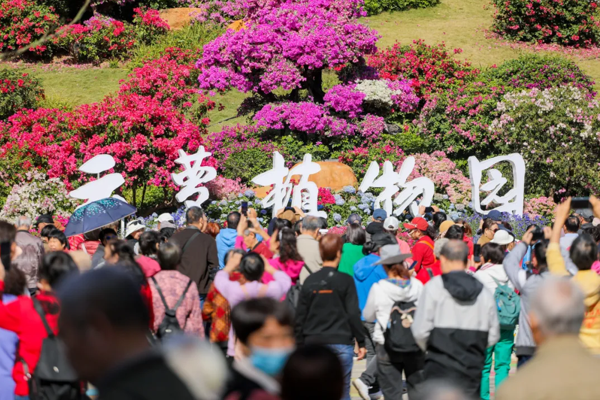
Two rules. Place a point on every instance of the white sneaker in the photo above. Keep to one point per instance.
(362, 388)
(376, 396)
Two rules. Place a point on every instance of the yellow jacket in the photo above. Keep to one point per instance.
(589, 282)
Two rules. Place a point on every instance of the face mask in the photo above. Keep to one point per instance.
(269, 361)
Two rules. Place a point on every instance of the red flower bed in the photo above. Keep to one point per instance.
(431, 68)
(568, 23)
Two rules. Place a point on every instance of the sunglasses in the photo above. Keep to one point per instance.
(110, 237)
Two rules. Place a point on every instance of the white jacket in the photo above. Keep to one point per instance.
(488, 272)
(381, 299)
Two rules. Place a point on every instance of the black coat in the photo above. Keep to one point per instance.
(199, 257)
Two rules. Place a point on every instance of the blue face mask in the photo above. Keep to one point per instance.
(269, 361)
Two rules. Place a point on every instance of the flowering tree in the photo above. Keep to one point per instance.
(287, 45)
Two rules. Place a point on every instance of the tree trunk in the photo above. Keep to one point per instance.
(314, 84)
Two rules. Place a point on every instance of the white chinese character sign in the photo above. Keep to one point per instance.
(305, 193)
(279, 196)
(512, 201)
(103, 187)
(193, 175)
(392, 182)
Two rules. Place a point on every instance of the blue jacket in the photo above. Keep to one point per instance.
(8, 350)
(225, 242)
(365, 275)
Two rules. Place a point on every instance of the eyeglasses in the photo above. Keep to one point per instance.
(109, 237)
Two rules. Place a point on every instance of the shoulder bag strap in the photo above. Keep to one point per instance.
(182, 296)
(308, 269)
(426, 243)
(38, 307)
(189, 241)
(160, 293)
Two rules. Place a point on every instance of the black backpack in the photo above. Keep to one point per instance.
(293, 295)
(169, 324)
(53, 378)
(398, 336)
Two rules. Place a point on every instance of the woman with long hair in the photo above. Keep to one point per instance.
(120, 254)
(286, 258)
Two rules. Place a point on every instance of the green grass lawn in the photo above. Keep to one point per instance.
(458, 23)
(76, 86)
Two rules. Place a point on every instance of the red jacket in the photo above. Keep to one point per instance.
(20, 317)
(89, 246)
(469, 243)
(427, 264)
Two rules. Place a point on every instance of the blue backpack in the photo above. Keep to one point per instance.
(508, 304)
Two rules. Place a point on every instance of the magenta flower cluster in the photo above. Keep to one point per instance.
(282, 46)
(404, 96)
(344, 99)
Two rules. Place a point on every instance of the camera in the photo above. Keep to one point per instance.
(538, 234)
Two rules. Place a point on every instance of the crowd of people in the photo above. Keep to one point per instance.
(288, 308)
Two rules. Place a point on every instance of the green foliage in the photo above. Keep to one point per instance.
(191, 37)
(160, 4)
(568, 23)
(374, 7)
(18, 90)
(246, 164)
(359, 158)
(295, 150)
(539, 71)
(151, 199)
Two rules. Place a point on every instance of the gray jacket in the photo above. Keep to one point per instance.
(526, 285)
(31, 257)
(308, 248)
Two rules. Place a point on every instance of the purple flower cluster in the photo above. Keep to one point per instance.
(404, 96)
(343, 98)
(282, 45)
(372, 126)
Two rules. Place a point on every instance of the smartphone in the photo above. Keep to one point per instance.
(477, 252)
(245, 208)
(580, 203)
(413, 265)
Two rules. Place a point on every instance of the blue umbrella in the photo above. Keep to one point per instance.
(97, 214)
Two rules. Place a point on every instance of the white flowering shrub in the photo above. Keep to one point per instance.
(557, 131)
(38, 195)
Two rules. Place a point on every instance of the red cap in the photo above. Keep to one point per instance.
(417, 223)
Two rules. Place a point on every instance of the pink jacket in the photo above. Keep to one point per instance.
(189, 314)
(291, 267)
(148, 265)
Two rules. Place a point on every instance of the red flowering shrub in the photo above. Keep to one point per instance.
(431, 68)
(569, 23)
(98, 39)
(173, 76)
(18, 90)
(142, 133)
(149, 25)
(325, 196)
(22, 22)
(43, 139)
